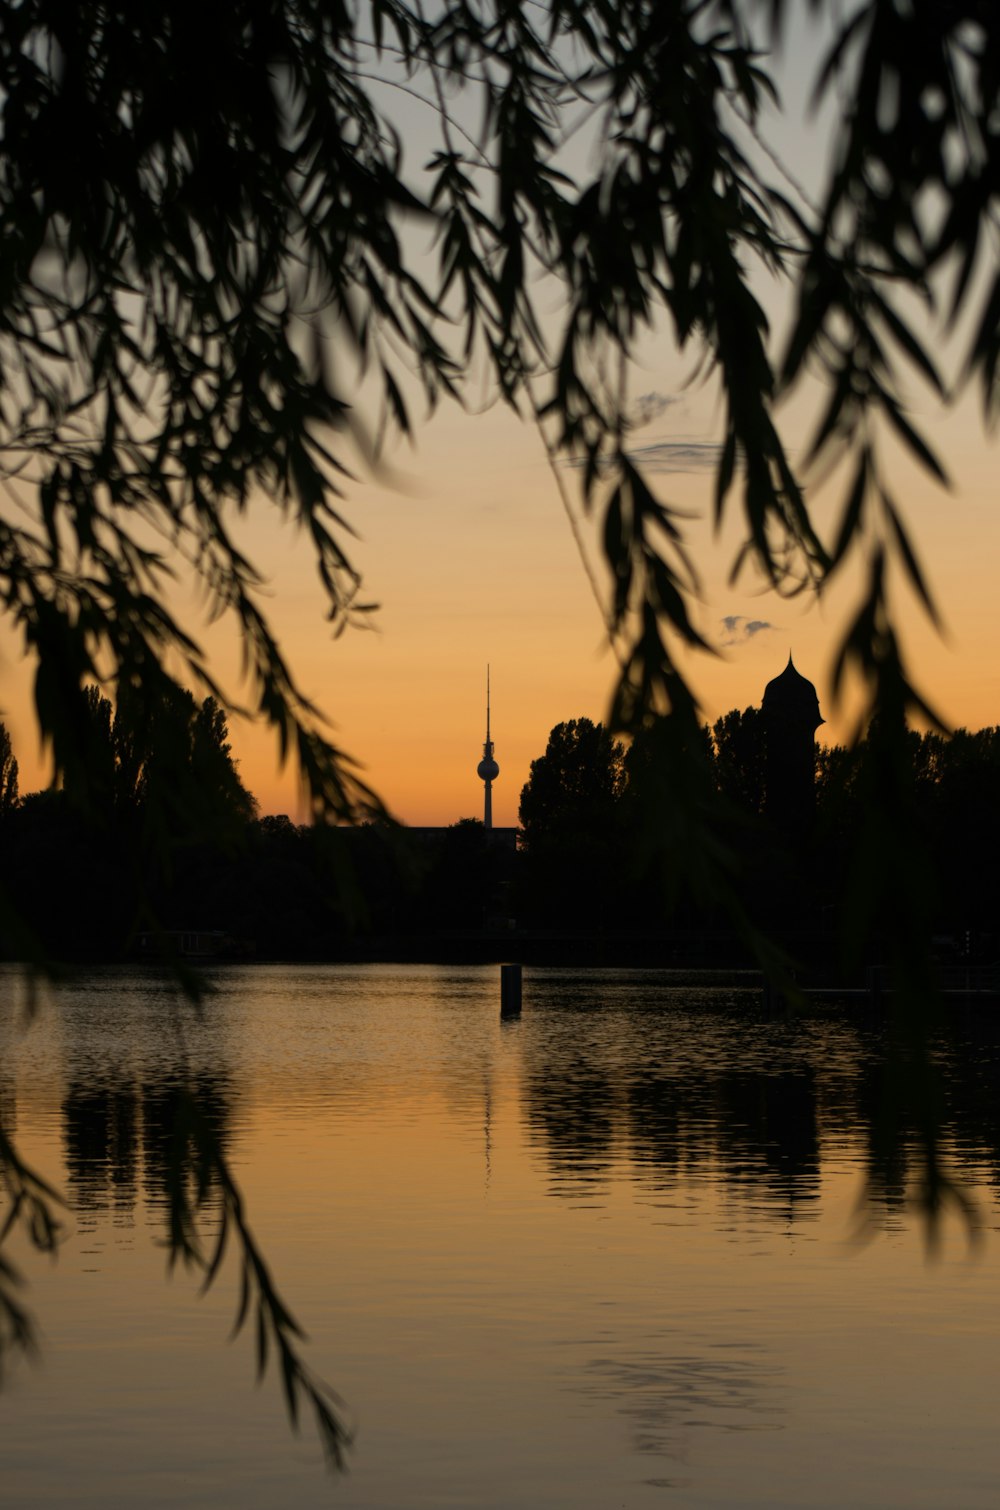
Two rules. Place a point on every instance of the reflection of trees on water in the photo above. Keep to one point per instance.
(574, 1115)
(966, 1060)
(689, 1098)
(768, 1124)
(101, 1139)
(760, 1129)
(973, 1061)
(110, 1131)
(757, 1131)
(8, 1104)
(670, 1096)
(8, 1060)
(165, 1140)
(886, 1154)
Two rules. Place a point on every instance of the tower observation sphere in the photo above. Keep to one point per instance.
(487, 770)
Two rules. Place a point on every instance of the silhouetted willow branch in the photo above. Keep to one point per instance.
(200, 1187)
(31, 1209)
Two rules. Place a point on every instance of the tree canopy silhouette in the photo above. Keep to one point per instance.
(572, 827)
(739, 757)
(576, 785)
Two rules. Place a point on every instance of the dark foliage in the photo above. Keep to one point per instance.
(739, 758)
(573, 829)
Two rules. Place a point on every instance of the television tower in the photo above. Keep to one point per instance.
(487, 770)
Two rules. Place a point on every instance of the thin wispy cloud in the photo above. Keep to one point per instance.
(676, 456)
(739, 630)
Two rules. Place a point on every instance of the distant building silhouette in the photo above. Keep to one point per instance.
(487, 770)
(791, 717)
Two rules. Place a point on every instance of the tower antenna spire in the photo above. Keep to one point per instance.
(487, 769)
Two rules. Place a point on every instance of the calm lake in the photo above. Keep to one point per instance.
(607, 1254)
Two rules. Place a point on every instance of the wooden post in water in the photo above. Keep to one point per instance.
(510, 990)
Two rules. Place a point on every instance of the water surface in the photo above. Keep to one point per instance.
(604, 1255)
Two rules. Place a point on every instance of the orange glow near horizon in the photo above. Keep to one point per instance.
(471, 556)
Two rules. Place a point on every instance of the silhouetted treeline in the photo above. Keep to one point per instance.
(89, 866)
(594, 857)
(591, 860)
(955, 786)
(266, 887)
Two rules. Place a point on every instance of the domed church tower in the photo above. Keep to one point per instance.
(791, 717)
(487, 770)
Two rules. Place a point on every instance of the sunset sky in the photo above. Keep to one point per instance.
(467, 548)
(472, 560)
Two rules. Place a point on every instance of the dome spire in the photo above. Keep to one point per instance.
(790, 696)
(487, 769)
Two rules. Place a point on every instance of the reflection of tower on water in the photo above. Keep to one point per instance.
(487, 769)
